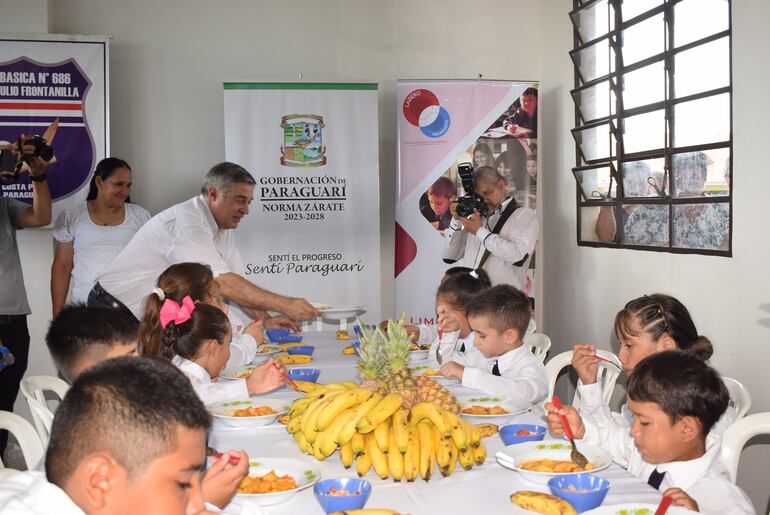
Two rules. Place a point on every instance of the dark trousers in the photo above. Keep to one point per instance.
(99, 297)
(15, 336)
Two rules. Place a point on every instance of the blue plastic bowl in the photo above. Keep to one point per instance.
(509, 436)
(332, 503)
(304, 374)
(306, 350)
(581, 500)
(280, 332)
(289, 338)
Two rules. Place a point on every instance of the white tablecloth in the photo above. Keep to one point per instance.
(484, 489)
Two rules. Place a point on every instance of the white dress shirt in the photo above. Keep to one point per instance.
(522, 375)
(186, 232)
(243, 347)
(704, 479)
(30, 493)
(209, 391)
(428, 333)
(516, 240)
(449, 345)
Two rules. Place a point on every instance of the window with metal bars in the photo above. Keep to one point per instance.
(653, 124)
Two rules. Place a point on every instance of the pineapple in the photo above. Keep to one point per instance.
(371, 361)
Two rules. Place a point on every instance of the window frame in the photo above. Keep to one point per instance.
(618, 116)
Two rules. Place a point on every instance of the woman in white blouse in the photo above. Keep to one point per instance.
(89, 235)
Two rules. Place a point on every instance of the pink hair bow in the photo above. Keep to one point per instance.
(171, 311)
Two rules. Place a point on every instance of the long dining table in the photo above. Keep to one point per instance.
(483, 489)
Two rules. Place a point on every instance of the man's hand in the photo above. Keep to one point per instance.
(453, 207)
(473, 223)
(452, 370)
(36, 164)
(681, 499)
(281, 322)
(299, 309)
(222, 478)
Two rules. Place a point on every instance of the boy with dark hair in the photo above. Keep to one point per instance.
(675, 399)
(80, 337)
(129, 437)
(499, 317)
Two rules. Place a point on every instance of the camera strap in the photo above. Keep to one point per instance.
(504, 216)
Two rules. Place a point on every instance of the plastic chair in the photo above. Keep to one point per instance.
(606, 376)
(740, 398)
(538, 344)
(25, 434)
(33, 388)
(736, 436)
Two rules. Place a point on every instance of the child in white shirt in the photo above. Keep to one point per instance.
(675, 399)
(501, 365)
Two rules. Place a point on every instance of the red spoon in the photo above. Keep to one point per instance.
(575, 455)
(233, 459)
(664, 505)
(600, 358)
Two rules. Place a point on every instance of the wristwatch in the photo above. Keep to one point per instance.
(39, 178)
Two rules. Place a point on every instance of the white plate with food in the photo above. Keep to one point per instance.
(341, 312)
(432, 373)
(249, 412)
(539, 461)
(489, 409)
(276, 480)
(635, 508)
(237, 372)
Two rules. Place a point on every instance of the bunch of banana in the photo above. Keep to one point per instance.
(374, 431)
(349, 350)
(294, 359)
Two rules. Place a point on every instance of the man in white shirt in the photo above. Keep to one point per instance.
(676, 399)
(510, 251)
(200, 230)
(129, 437)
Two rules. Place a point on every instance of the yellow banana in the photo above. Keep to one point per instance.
(300, 405)
(351, 384)
(384, 409)
(349, 350)
(412, 455)
(317, 454)
(466, 458)
(423, 410)
(427, 449)
(309, 425)
(295, 425)
(339, 404)
(350, 428)
(473, 434)
(327, 440)
(358, 443)
(382, 435)
(379, 459)
(395, 458)
(443, 451)
(346, 455)
(363, 462)
(337, 386)
(304, 446)
(458, 434)
(400, 430)
(453, 452)
(487, 430)
(306, 386)
(480, 454)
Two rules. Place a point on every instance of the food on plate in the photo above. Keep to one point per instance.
(554, 466)
(262, 349)
(269, 483)
(349, 350)
(283, 419)
(429, 372)
(485, 410)
(242, 375)
(487, 430)
(524, 432)
(341, 493)
(539, 502)
(254, 411)
(638, 511)
(342, 335)
(295, 359)
(419, 346)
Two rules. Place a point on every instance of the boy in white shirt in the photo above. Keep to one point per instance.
(499, 317)
(675, 399)
(129, 437)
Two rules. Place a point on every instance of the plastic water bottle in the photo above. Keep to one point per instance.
(6, 358)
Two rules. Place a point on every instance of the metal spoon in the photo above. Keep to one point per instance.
(575, 456)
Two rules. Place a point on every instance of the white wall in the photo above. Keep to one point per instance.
(728, 297)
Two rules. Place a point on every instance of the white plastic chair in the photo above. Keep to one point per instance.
(25, 434)
(538, 344)
(33, 388)
(740, 398)
(606, 376)
(736, 436)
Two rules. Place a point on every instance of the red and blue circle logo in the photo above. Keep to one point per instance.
(422, 109)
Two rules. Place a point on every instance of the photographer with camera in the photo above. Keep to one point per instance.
(14, 307)
(489, 230)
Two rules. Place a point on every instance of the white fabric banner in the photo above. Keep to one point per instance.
(442, 124)
(314, 227)
(55, 86)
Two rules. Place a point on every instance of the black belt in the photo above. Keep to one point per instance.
(102, 297)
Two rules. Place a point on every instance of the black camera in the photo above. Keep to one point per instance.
(42, 149)
(471, 200)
